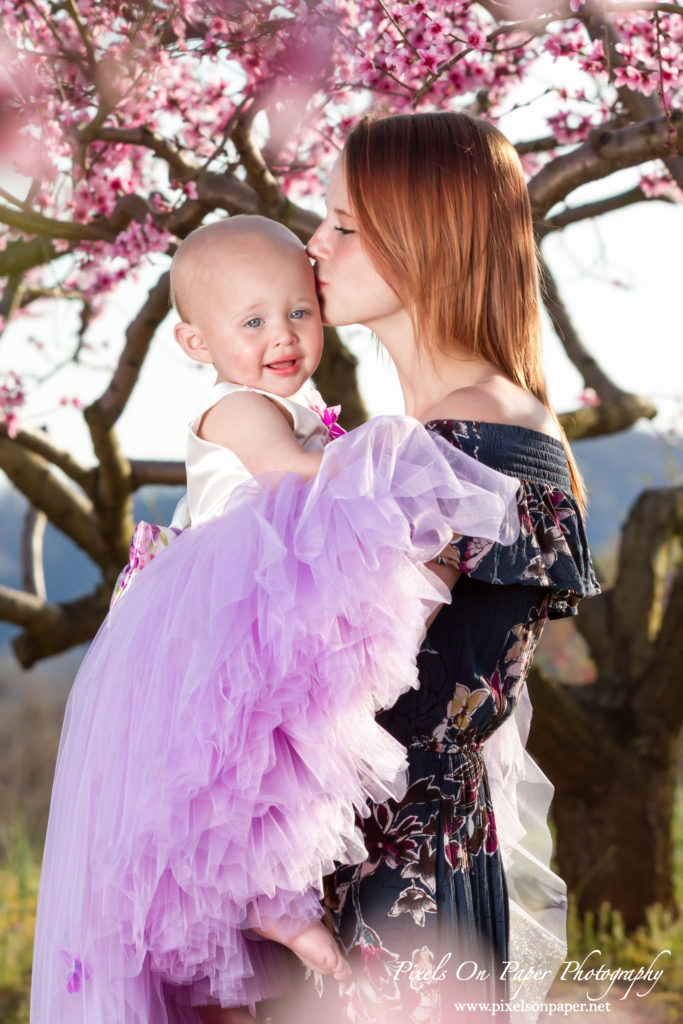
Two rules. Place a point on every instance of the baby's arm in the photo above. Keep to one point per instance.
(260, 434)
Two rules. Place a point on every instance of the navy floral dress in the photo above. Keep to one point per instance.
(424, 920)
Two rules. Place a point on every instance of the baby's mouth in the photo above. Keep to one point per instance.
(282, 364)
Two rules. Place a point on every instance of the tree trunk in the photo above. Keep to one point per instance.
(610, 748)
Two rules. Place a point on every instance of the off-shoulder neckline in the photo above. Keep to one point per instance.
(509, 426)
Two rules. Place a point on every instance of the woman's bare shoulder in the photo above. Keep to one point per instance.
(500, 401)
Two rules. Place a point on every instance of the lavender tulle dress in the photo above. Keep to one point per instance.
(220, 739)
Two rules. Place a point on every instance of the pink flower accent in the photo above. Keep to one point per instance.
(79, 971)
(329, 414)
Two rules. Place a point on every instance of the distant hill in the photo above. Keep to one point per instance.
(616, 468)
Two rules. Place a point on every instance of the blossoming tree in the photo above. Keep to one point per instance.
(128, 123)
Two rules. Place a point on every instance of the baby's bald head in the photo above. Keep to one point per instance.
(239, 238)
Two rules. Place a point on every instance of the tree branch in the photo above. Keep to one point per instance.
(665, 698)
(21, 256)
(618, 409)
(599, 420)
(603, 153)
(69, 512)
(38, 442)
(146, 471)
(336, 379)
(36, 224)
(33, 576)
(24, 609)
(51, 629)
(106, 410)
(575, 214)
(637, 598)
(567, 735)
(640, 107)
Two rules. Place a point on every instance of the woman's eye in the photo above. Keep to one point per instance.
(298, 314)
(345, 231)
(255, 321)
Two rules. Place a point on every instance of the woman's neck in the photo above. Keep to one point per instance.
(425, 376)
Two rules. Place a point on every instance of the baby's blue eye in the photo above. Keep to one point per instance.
(298, 314)
(255, 321)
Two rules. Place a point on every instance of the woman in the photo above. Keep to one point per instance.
(428, 241)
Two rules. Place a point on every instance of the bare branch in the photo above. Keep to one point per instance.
(618, 409)
(575, 214)
(69, 512)
(603, 153)
(537, 145)
(146, 471)
(24, 609)
(184, 170)
(259, 175)
(51, 629)
(36, 224)
(33, 575)
(599, 420)
(37, 441)
(103, 413)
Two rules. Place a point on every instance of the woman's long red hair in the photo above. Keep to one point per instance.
(444, 213)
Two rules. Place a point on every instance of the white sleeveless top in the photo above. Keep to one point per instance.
(214, 471)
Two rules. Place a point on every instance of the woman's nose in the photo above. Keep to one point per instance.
(317, 247)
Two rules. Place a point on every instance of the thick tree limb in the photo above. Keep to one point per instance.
(56, 628)
(603, 153)
(32, 223)
(567, 735)
(336, 380)
(663, 697)
(37, 441)
(70, 513)
(146, 472)
(22, 608)
(33, 576)
(21, 256)
(637, 598)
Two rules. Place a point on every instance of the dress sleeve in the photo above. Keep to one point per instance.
(551, 550)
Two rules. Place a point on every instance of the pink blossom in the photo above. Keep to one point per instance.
(589, 397)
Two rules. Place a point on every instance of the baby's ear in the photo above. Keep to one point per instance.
(191, 342)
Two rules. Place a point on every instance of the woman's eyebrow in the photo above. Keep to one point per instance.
(344, 213)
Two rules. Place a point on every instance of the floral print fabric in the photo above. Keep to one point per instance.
(424, 920)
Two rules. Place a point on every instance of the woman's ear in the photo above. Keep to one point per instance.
(191, 342)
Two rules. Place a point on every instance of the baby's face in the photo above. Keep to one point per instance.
(260, 318)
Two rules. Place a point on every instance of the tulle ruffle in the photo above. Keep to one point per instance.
(521, 796)
(220, 737)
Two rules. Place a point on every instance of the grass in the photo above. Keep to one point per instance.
(19, 875)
